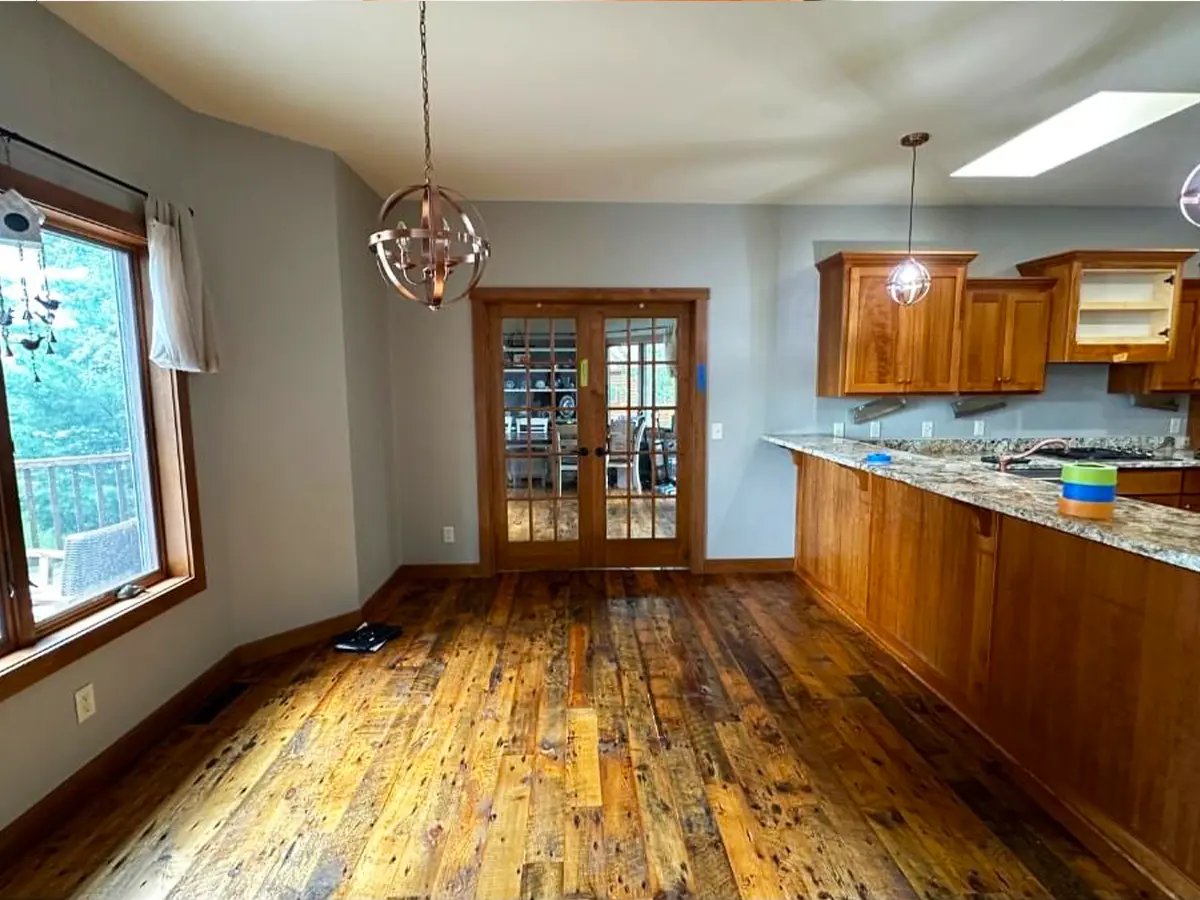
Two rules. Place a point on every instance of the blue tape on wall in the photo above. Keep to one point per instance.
(702, 377)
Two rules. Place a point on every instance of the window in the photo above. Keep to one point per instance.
(97, 505)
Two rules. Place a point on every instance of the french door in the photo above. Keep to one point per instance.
(589, 433)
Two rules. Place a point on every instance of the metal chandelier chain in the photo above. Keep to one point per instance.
(912, 196)
(425, 99)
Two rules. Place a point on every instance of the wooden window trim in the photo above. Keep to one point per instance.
(181, 571)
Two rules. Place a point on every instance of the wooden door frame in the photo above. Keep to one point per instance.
(697, 469)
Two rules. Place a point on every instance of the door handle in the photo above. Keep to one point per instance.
(601, 451)
(583, 451)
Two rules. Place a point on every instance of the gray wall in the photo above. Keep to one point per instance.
(758, 263)
(290, 437)
(281, 491)
(365, 301)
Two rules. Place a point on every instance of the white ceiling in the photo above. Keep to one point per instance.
(679, 102)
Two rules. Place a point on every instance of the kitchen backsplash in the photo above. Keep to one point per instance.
(985, 446)
(1076, 402)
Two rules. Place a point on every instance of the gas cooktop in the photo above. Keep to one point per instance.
(1092, 454)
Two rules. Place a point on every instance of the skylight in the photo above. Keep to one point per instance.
(1100, 119)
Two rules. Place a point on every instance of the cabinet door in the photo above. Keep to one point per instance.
(932, 338)
(1026, 332)
(983, 341)
(1179, 374)
(874, 358)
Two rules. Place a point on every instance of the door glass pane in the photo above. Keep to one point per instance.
(73, 381)
(539, 389)
(618, 519)
(518, 520)
(641, 392)
(641, 518)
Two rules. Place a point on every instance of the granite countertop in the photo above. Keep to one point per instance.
(1158, 532)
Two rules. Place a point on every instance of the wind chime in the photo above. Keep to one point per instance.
(32, 311)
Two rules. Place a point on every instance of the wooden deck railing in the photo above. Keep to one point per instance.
(98, 491)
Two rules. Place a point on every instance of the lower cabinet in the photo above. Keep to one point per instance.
(1078, 659)
(930, 583)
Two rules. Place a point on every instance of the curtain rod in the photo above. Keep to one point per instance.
(7, 135)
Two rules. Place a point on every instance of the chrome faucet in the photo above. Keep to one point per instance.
(1005, 461)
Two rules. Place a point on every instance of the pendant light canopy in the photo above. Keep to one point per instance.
(442, 258)
(909, 281)
(1189, 197)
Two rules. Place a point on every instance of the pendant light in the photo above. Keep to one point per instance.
(442, 258)
(1189, 197)
(909, 282)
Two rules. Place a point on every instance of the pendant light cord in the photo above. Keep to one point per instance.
(425, 99)
(912, 193)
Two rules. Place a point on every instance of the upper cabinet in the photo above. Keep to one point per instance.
(1005, 329)
(870, 345)
(1182, 373)
(1112, 305)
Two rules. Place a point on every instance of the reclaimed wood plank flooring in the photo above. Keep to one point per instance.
(620, 735)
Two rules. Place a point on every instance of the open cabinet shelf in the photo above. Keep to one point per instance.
(1112, 305)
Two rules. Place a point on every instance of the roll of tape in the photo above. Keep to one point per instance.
(1090, 493)
(1081, 509)
(1089, 473)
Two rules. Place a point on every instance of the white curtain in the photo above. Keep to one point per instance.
(183, 334)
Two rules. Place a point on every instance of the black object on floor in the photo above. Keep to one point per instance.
(366, 638)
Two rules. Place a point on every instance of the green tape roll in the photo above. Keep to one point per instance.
(1089, 473)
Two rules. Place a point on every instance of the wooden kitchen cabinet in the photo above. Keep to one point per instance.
(870, 345)
(1112, 305)
(1180, 374)
(1004, 334)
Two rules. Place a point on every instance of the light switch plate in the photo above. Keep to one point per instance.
(926, 429)
(85, 703)
(980, 428)
(876, 430)
(1175, 426)
(718, 431)
(839, 429)
(447, 534)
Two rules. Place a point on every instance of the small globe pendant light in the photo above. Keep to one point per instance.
(443, 257)
(909, 281)
(1189, 197)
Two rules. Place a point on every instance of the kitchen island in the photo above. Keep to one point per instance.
(1074, 646)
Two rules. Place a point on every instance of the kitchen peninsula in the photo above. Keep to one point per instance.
(1072, 645)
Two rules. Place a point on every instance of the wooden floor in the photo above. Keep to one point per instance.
(643, 735)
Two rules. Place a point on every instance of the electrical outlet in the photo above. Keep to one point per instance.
(980, 427)
(85, 703)
(876, 429)
(447, 534)
(926, 429)
(718, 431)
(1175, 426)
(839, 429)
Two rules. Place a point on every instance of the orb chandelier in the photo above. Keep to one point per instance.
(1189, 197)
(442, 257)
(909, 281)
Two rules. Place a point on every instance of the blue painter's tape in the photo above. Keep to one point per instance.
(702, 377)
(1090, 493)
